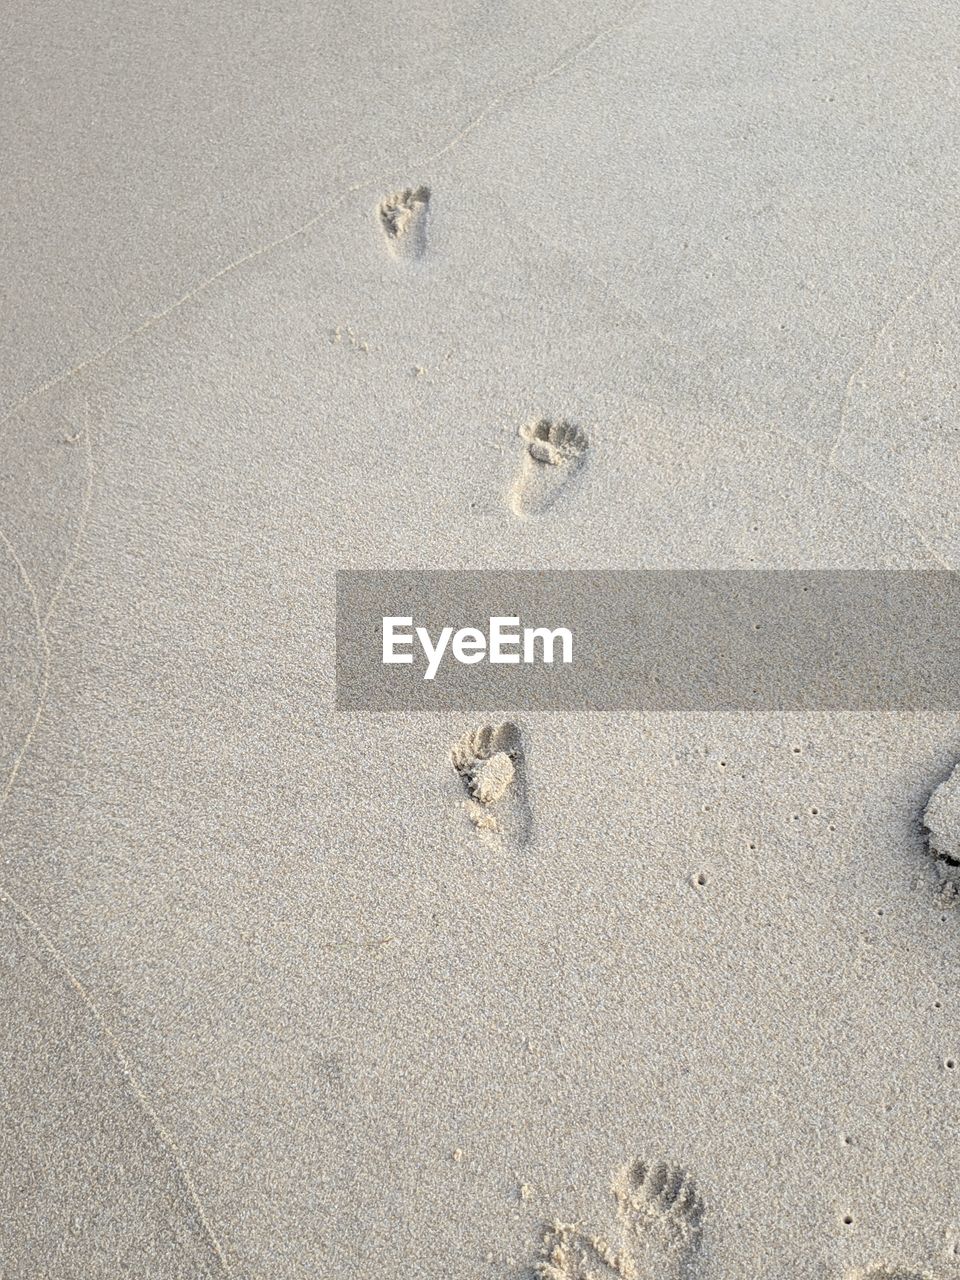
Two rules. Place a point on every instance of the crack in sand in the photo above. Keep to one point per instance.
(564, 60)
(41, 621)
(127, 1071)
(44, 652)
(174, 306)
(82, 517)
(940, 260)
(884, 498)
(818, 459)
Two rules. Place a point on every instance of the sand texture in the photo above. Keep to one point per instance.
(290, 994)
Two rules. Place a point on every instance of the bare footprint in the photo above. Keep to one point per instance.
(403, 217)
(554, 455)
(661, 1216)
(568, 1254)
(490, 760)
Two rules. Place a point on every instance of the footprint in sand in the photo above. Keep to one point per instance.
(490, 761)
(403, 217)
(660, 1214)
(554, 454)
(568, 1253)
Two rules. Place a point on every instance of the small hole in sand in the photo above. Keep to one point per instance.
(701, 878)
(938, 1004)
(796, 751)
(950, 1063)
(814, 812)
(879, 911)
(847, 1140)
(847, 1220)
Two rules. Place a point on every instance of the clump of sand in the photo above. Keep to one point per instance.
(941, 818)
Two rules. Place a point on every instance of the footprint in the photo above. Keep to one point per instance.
(554, 455)
(403, 217)
(490, 760)
(660, 1215)
(568, 1254)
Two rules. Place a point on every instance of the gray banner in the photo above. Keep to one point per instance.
(684, 640)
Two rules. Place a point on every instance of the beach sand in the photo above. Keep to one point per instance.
(288, 290)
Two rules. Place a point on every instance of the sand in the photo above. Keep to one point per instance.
(293, 290)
